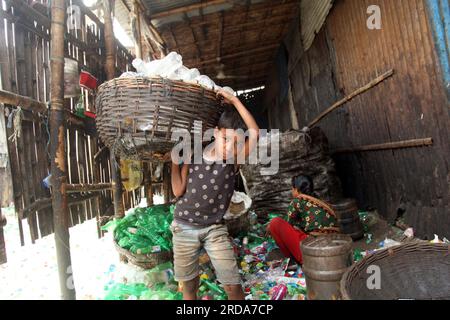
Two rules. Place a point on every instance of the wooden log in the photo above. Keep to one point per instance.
(242, 53)
(24, 102)
(44, 203)
(88, 187)
(3, 258)
(355, 93)
(110, 74)
(58, 151)
(188, 8)
(32, 105)
(414, 143)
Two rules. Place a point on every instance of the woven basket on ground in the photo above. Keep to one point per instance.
(146, 261)
(138, 115)
(410, 271)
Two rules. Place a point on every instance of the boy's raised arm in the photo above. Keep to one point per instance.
(249, 121)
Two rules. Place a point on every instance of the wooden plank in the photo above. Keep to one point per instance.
(73, 171)
(45, 216)
(3, 258)
(30, 160)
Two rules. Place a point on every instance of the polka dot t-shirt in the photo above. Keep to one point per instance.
(209, 189)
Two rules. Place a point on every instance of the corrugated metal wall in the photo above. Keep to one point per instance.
(412, 104)
(313, 15)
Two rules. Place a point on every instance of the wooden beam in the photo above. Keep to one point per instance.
(45, 203)
(414, 143)
(242, 53)
(197, 47)
(219, 42)
(138, 38)
(355, 93)
(25, 103)
(186, 9)
(32, 105)
(119, 210)
(236, 71)
(85, 187)
(58, 150)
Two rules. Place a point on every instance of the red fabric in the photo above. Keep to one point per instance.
(87, 80)
(287, 238)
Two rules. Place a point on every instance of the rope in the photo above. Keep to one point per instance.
(16, 118)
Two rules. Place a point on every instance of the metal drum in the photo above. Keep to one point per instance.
(325, 259)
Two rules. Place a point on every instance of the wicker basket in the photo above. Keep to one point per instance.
(410, 271)
(146, 261)
(138, 115)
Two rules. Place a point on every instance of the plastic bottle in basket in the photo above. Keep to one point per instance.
(206, 82)
(182, 73)
(169, 64)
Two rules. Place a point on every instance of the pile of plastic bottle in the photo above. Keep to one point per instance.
(171, 67)
(262, 279)
(144, 230)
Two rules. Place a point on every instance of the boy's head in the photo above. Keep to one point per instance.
(302, 185)
(229, 131)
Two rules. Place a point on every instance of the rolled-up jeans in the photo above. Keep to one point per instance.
(189, 240)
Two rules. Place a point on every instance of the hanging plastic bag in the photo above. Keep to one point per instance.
(131, 171)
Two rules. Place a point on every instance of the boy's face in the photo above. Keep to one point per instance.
(227, 141)
(295, 193)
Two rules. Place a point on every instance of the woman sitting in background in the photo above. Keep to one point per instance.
(306, 216)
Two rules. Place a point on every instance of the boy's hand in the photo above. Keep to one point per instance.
(167, 157)
(226, 97)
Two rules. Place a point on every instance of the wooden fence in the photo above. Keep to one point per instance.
(25, 70)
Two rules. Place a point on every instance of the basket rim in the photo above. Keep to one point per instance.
(404, 247)
(161, 80)
(139, 257)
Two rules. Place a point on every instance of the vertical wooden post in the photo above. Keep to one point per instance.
(110, 69)
(2, 238)
(166, 184)
(148, 186)
(58, 151)
(138, 43)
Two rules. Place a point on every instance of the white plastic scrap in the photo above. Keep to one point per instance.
(171, 67)
(409, 232)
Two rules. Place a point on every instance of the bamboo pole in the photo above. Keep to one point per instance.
(58, 151)
(32, 105)
(355, 93)
(3, 258)
(25, 103)
(84, 187)
(138, 40)
(388, 146)
(45, 203)
(110, 74)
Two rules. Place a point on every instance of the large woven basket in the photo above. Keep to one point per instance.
(418, 271)
(146, 261)
(137, 115)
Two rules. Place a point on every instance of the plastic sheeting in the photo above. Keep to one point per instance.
(300, 154)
